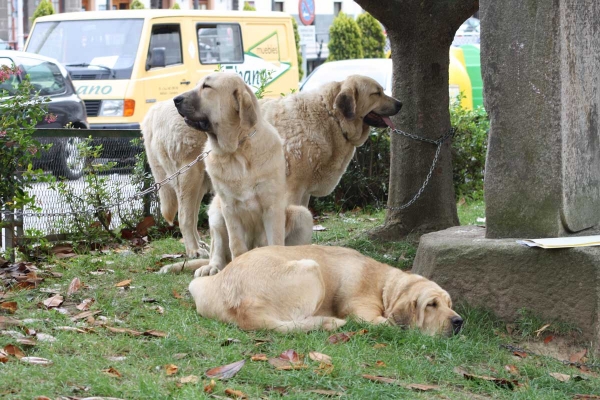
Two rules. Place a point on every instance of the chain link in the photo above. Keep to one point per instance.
(439, 142)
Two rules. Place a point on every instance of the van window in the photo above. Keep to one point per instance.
(220, 44)
(169, 37)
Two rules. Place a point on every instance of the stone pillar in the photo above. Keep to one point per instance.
(541, 71)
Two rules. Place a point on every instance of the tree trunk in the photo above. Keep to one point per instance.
(420, 32)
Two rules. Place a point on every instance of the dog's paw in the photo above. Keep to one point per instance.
(206, 270)
(198, 253)
(167, 269)
(331, 324)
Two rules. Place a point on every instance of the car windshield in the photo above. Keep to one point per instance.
(90, 49)
(326, 74)
(45, 76)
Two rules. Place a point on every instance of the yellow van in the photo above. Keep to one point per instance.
(122, 62)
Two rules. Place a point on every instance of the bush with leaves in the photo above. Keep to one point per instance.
(248, 7)
(136, 5)
(344, 39)
(176, 7)
(297, 39)
(21, 109)
(44, 8)
(372, 37)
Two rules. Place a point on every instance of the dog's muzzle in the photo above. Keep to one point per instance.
(457, 323)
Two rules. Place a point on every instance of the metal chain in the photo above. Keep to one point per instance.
(512, 348)
(439, 142)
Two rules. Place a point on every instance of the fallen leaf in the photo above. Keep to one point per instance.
(116, 358)
(6, 322)
(36, 360)
(142, 227)
(506, 383)
(124, 283)
(511, 369)
(380, 364)
(69, 328)
(159, 309)
(324, 369)
(510, 328)
(259, 357)
(379, 345)
(560, 377)
(542, 329)
(179, 356)
(74, 286)
(124, 330)
(171, 369)
(288, 360)
(315, 356)
(84, 314)
(177, 295)
(382, 379)
(155, 333)
(586, 396)
(9, 306)
(461, 202)
(319, 228)
(576, 357)
(290, 355)
(342, 337)
(238, 394)
(112, 372)
(43, 337)
(26, 341)
(521, 354)
(548, 339)
(189, 379)
(209, 387)
(3, 356)
(421, 388)
(85, 304)
(170, 256)
(329, 393)
(54, 301)
(42, 398)
(225, 371)
(230, 341)
(13, 350)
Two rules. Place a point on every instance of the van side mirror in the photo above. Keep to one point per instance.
(156, 58)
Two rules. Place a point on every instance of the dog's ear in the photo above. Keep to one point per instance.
(405, 314)
(346, 102)
(245, 108)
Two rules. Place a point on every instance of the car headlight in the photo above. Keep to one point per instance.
(111, 108)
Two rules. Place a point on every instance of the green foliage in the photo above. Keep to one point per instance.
(44, 8)
(248, 7)
(21, 108)
(469, 149)
(344, 39)
(136, 5)
(297, 39)
(372, 37)
(176, 7)
(263, 79)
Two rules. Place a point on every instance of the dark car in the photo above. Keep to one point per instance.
(52, 80)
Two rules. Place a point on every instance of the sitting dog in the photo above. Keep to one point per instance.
(317, 287)
(322, 128)
(246, 166)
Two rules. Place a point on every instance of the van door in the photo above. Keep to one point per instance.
(166, 74)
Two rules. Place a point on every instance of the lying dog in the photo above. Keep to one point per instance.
(171, 144)
(317, 287)
(246, 166)
(322, 128)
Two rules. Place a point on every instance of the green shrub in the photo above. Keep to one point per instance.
(176, 7)
(469, 149)
(297, 38)
(136, 5)
(344, 39)
(248, 7)
(44, 8)
(372, 37)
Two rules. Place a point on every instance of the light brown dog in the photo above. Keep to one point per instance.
(171, 144)
(322, 129)
(318, 287)
(246, 166)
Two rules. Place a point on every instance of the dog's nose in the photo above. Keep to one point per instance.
(398, 105)
(457, 323)
(178, 100)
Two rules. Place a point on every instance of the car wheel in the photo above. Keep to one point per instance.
(70, 162)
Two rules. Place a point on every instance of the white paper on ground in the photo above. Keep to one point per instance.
(562, 242)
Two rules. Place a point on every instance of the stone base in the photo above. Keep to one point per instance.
(503, 276)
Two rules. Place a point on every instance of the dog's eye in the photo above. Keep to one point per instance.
(432, 304)
(376, 94)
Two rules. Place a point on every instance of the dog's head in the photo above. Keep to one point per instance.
(223, 106)
(361, 100)
(417, 302)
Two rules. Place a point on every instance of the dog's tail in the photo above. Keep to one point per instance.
(188, 265)
(298, 226)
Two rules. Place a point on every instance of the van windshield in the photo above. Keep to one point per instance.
(90, 49)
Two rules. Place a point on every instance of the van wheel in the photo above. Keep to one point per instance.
(70, 162)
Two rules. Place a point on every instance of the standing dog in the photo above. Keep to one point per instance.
(318, 287)
(246, 166)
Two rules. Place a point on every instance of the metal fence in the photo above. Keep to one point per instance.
(114, 176)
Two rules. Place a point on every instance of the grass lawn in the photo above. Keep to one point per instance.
(170, 361)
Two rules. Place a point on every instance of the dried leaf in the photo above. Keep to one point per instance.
(124, 330)
(208, 388)
(112, 372)
(230, 341)
(237, 394)
(124, 283)
(506, 383)
(511, 369)
(6, 322)
(177, 295)
(116, 358)
(576, 357)
(171, 369)
(560, 377)
(548, 339)
(342, 337)
(179, 356)
(315, 356)
(542, 329)
(319, 228)
(521, 354)
(9, 306)
(380, 364)
(85, 304)
(54, 301)
(170, 256)
(586, 396)
(421, 388)
(43, 337)
(225, 371)
(288, 360)
(159, 309)
(74, 286)
(382, 379)
(13, 350)
(142, 227)
(3, 356)
(329, 393)
(290, 355)
(379, 345)
(324, 369)
(69, 328)
(84, 314)
(26, 341)
(259, 357)
(155, 333)
(36, 360)
(189, 379)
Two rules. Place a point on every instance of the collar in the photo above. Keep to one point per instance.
(332, 115)
(246, 138)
